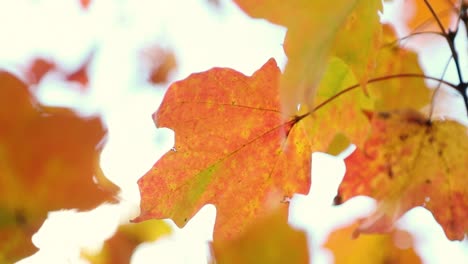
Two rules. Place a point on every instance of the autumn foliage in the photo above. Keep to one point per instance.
(244, 143)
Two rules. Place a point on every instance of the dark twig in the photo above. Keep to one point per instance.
(450, 38)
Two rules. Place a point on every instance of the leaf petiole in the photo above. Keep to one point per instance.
(378, 79)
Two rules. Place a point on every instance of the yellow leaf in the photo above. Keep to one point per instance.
(119, 248)
(317, 29)
(392, 248)
(402, 92)
(268, 240)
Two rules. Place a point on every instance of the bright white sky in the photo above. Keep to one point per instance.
(202, 38)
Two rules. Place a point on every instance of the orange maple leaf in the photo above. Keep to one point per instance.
(48, 158)
(311, 39)
(232, 149)
(395, 247)
(268, 240)
(408, 161)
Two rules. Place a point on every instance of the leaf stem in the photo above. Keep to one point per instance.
(378, 79)
(414, 34)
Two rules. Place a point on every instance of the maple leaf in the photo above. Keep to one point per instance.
(408, 161)
(119, 248)
(395, 247)
(397, 93)
(48, 157)
(312, 38)
(268, 240)
(232, 149)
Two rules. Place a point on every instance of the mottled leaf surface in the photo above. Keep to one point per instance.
(408, 162)
(233, 149)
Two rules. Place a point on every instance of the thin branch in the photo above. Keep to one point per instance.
(412, 35)
(431, 111)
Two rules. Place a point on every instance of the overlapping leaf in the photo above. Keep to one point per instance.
(359, 38)
(422, 19)
(340, 115)
(48, 158)
(232, 149)
(317, 29)
(408, 162)
(269, 240)
(395, 247)
(119, 248)
(400, 92)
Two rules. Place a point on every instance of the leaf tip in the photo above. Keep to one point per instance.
(338, 200)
